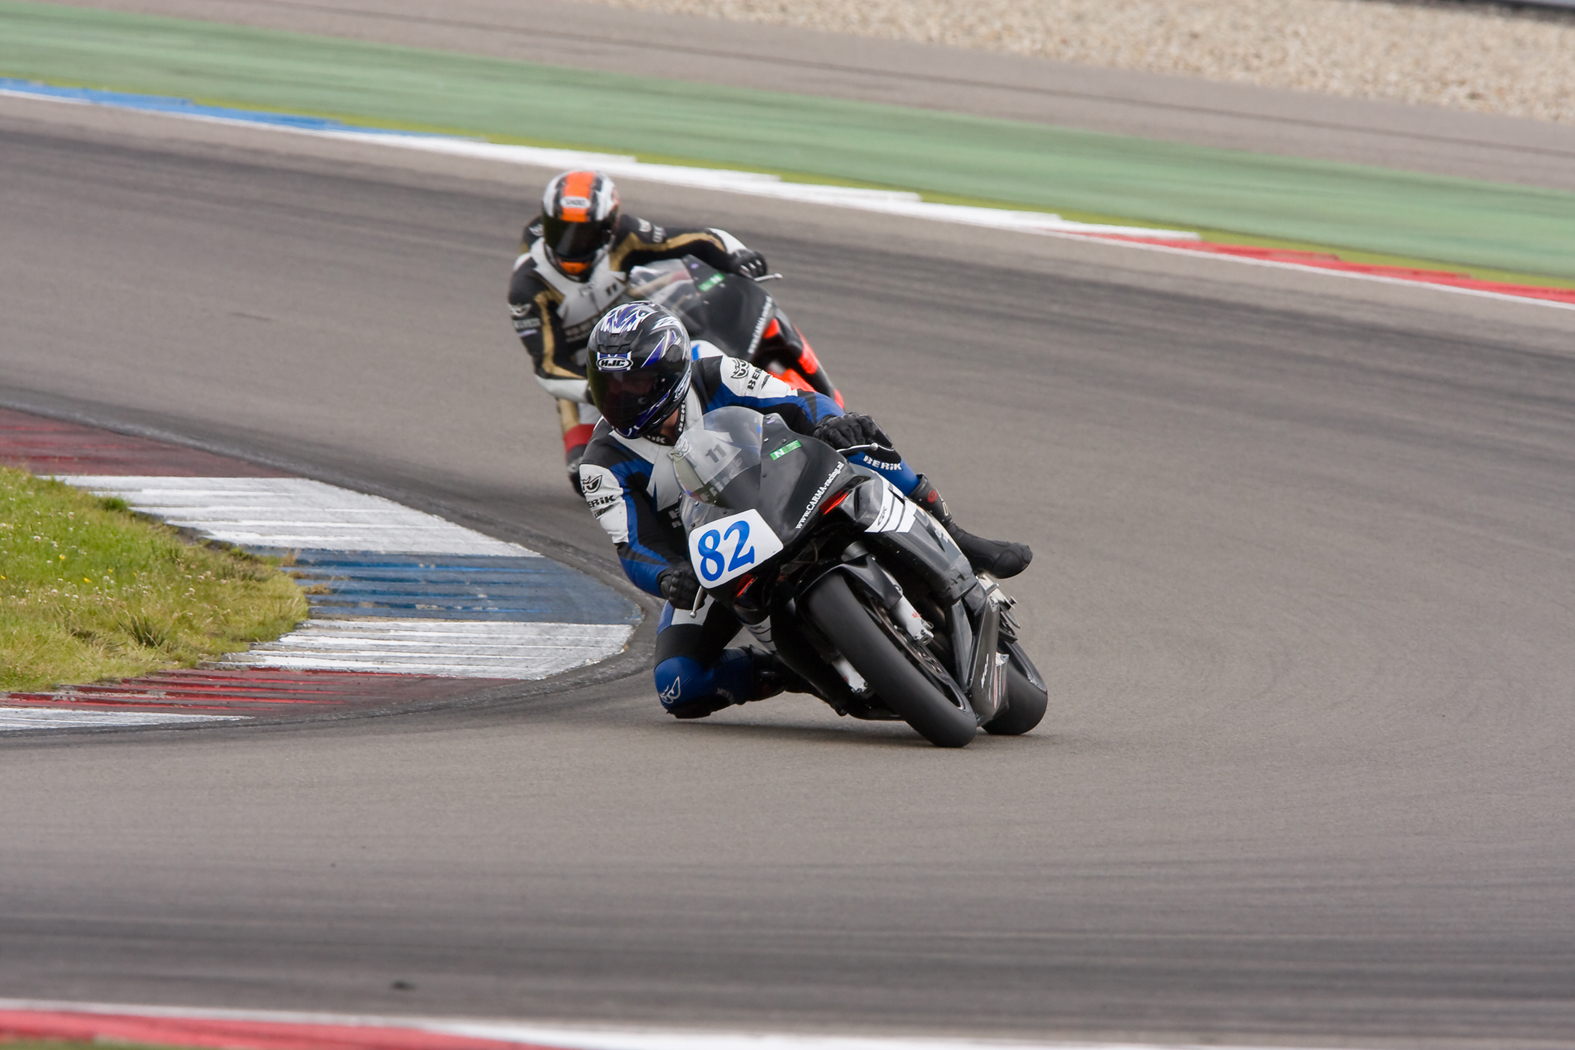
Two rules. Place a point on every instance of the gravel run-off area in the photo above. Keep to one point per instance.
(1514, 61)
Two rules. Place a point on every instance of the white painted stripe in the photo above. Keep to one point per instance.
(16, 718)
(893, 202)
(1281, 264)
(588, 1037)
(460, 648)
(760, 184)
(294, 514)
(576, 1038)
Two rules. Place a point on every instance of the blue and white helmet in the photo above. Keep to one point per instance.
(637, 367)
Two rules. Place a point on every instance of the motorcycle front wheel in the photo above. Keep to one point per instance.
(852, 626)
(1025, 706)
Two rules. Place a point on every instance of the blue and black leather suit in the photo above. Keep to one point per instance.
(631, 489)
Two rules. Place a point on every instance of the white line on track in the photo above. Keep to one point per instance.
(761, 184)
(300, 514)
(602, 1037)
(294, 514)
(755, 183)
(575, 1038)
(460, 648)
(14, 718)
(1328, 271)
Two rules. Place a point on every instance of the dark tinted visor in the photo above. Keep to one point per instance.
(626, 398)
(576, 241)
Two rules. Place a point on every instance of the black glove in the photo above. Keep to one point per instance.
(747, 262)
(848, 431)
(679, 585)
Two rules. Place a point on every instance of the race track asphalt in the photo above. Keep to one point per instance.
(1303, 595)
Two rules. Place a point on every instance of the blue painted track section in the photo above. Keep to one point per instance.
(455, 587)
(187, 108)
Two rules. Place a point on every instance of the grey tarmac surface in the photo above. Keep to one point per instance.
(1302, 591)
(778, 58)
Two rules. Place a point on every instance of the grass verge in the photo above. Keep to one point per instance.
(89, 590)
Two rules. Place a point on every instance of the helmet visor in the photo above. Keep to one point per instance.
(636, 402)
(576, 241)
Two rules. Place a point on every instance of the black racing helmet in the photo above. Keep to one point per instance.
(579, 215)
(637, 366)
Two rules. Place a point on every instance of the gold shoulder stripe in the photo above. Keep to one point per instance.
(632, 243)
(546, 299)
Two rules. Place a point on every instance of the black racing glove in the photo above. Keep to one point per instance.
(856, 431)
(679, 585)
(746, 262)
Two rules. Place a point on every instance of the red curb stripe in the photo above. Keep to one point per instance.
(233, 1035)
(48, 446)
(1326, 261)
(258, 692)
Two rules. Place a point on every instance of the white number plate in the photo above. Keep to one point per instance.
(731, 546)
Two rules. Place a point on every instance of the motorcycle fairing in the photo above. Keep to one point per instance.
(716, 307)
(727, 548)
(891, 510)
(786, 489)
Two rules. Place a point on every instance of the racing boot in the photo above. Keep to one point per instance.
(768, 676)
(701, 708)
(999, 558)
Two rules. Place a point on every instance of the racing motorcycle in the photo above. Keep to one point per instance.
(860, 591)
(731, 315)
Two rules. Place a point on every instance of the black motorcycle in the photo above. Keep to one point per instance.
(860, 591)
(735, 315)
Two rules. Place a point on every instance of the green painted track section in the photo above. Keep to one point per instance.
(1374, 210)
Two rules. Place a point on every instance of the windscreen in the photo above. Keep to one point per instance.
(668, 284)
(709, 456)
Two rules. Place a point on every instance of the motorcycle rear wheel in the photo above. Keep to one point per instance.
(841, 616)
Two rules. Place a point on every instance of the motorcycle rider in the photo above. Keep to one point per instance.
(574, 263)
(649, 389)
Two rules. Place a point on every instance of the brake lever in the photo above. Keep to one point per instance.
(870, 446)
(763, 278)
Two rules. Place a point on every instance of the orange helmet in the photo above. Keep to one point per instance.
(579, 211)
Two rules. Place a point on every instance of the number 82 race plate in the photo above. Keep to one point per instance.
(731, 546)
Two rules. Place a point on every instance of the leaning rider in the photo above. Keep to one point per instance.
(649, 389)
(574, 263)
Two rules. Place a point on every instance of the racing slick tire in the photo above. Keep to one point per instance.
(1024, 708)
(840, 615)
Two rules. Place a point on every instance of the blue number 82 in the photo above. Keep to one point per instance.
(712, 561)
(711, 554)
